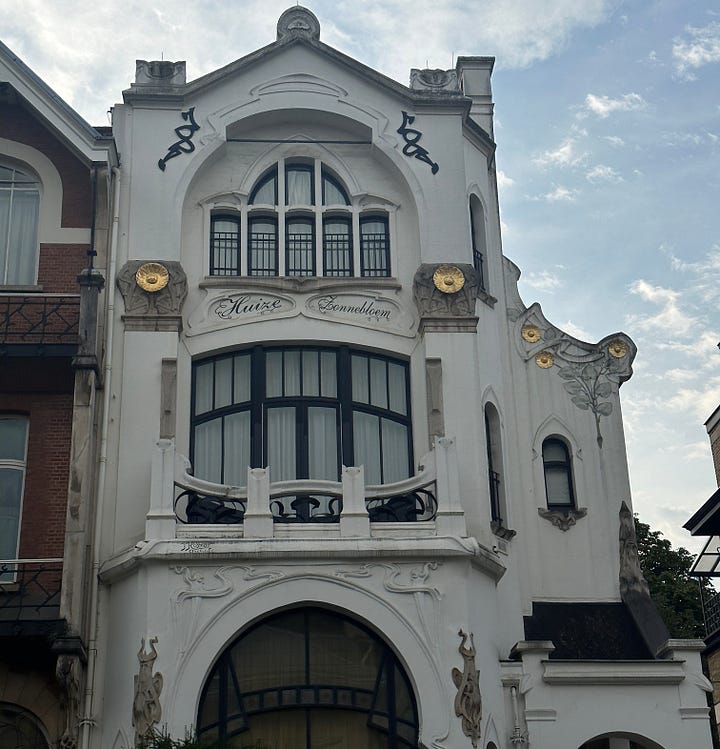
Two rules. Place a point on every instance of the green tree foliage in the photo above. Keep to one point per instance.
(667, 571)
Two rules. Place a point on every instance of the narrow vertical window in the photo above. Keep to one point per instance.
(494, 458)
(478, 238)
(299, 185)
(374, 246)
(557, 466)
(225, 246)
(13, 453)
(19, 208)
(337, 247)
(262, 247)
(300, 247)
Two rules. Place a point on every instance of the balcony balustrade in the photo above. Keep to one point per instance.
(426, 502)
(39, 320)
(30, 596)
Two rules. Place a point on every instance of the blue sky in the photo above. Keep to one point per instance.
(608, 132)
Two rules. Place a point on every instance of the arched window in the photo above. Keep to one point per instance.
(292, 233)
(302, 411)
(309, 678)
(478, 237)
(19, 729)
(557, 466)
(493, 444)
(19, 207)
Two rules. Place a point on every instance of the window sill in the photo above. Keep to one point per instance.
(562, 518)
(501, 531)
(21, 289)
(299, 283)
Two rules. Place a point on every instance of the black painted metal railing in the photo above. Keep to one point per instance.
(30, 589)
(39, 319)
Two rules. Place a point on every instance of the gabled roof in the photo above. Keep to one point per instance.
(86, 141)
(706, 521)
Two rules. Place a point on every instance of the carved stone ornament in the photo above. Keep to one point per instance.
(412, 137)
(631, 575)
(563, 519)
(67, 673)
(298, 21)
(184, 143)
(449, 279)
(158, 306)
(435, 81)
(468, 702)
(146, 712)
(434, 304)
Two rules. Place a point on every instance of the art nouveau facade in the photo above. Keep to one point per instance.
(356, 493)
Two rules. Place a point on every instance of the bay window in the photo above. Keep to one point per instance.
(303, 411)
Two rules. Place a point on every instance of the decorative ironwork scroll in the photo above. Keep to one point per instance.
(468, 703)
(184, 134)
(146, 711)
(411, 147)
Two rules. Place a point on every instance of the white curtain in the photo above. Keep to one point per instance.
(11, 481)
(208, 451)
(298, 185)
(223, 382)
(23, 237)
(395, 451)
(310, 373)
(292, 373)
(328, 374)
(237, 448)
(242, 378)
(281, 443)
(378, 383)
(396, 382)
(367, 445)
(322, 444)
(203, 388)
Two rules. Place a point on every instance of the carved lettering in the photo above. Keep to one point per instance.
(232, 307)
(368, 308)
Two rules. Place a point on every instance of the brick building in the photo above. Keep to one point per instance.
(55, 175)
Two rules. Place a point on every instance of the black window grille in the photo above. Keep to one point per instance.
(225, 246)
(337, 247)
(262, 247)
(300, 247)
(374, 246)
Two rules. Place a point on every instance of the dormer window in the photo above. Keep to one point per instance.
(301, 221)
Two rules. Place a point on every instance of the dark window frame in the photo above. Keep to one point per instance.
(563, 467)
(383, 269)
(290, 268)
(343, 256)
(254, 269)
(335, 182)
(215, 268)
(270, 175)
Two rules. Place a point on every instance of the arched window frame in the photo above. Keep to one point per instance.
(561, 469)
(32, 730)
(20, 194)
(334, 254)
(478, 237)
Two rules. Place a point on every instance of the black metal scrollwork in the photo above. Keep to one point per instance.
(417, 505)
(411, 147)
(185, 134)
(191, 507)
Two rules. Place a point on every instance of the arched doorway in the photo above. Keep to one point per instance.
(620, 741)
(309, 679)
(19, 729)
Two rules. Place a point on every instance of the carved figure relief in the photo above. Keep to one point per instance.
(411, 147)
(468, 702)
(435, 80)
(166, 301)
(631, 575)
(563, 519)
(432, 302)
(146, 711)
(184, 143)
(299, 21)
(67, 673)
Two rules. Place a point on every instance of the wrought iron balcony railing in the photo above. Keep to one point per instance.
(29, 595)
(40, 319)
(711, 608)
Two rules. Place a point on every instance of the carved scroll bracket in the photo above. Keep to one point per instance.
(563, 519)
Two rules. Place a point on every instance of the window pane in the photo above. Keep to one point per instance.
(378, 383)
(225, 247)
(281, 443)
(22, 250)
(328, 385)
(332, 194)
(298, 186)
(264, 193)
(367, 445)
(553, 451)
(237, 448)
(337, 247)
(395, 451)
(242, 379)
(558, 486)
(360, 384)
(310, 373)
(273, 374)
(208, 451)
(4, 229)
(322, 444)
(204, 387)
(374, 248)
(292, 373)
(13, 436)
(300, 243)
(397, 383)
(263, 248)
(223, 382)
(10, 495)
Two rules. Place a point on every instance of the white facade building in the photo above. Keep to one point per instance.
(356, 493)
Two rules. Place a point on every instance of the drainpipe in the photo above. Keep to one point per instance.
(91, 692)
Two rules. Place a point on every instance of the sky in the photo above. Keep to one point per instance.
(608, 134)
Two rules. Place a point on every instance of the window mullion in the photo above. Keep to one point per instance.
(319, 208)
(344, 394)
(357, 267)
(281, 212)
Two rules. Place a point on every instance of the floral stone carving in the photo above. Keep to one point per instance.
(631, 576)
(146, 712)
(152, 310)
(468, 703)
(434, 303)
(563, 519)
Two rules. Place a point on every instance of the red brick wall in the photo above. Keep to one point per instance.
(19, 125)
(59, 267)
(42, 528)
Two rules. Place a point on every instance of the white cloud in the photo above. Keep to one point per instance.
(559, 195)
(604, 106)
(576, 331)
(671, 320)
(702, 47)
(615, 140)
(697, 401)
(543, 281)
(602, 173)
(503, 180)
(566, 154)
(682, 375)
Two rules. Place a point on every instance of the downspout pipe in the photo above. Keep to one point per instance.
(93, 692)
